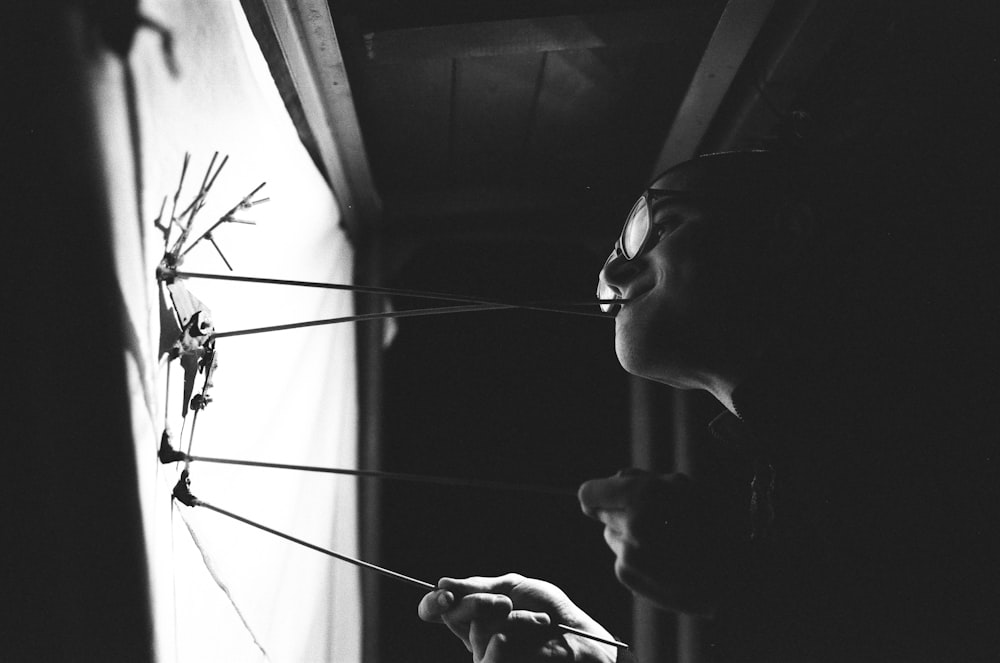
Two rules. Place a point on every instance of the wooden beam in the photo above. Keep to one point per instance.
(531, 35)
(305, 33)
(801, 35)
(738, 27)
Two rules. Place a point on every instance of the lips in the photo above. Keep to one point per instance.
(633, 298)
(614, 310)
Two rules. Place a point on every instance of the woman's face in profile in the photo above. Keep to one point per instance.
(692, 295)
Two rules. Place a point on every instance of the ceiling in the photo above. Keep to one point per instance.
(521, 113)
(480, 119)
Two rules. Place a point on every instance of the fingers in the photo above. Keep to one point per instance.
(479, 607)
(632, 505)
(507, 618)
(617, 538)
(641, 584)
(635, 497)
(686, 590)
(476, 619)
(434, 604)
(504, 584)
(486, 610)
(522, 629)
(613, 493)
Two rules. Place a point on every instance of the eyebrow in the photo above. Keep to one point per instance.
(657, 195)
(674, 198)
(679, 193)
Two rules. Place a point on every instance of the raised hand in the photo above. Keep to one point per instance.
(677, 543)
(509, 618)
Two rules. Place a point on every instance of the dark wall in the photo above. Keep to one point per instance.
(518, 396)
(72, 570)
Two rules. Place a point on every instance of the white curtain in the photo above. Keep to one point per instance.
(224, 591)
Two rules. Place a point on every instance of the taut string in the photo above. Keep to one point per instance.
(555, 307)
(182, 492)
(414, 313)
(168, 454)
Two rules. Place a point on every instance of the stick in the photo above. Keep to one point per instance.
(387, 572)
(442, 310)
(183, 494)
(343, 558)
(375, 290)
(398, 476)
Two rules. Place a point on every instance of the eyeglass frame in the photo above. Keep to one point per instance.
(647, 198)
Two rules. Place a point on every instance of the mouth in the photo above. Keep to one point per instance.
(630, 301)
(614, 308)
(611, 308)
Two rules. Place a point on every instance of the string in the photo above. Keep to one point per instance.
(441, 310)
(201, 403)
(173, 579)
(181, 491)
(194, 422)
(422, 294)
(397, 476)
(311, 546)
(166, 401)
(186, 498)
(220, 583)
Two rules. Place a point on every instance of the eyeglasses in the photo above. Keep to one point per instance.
(637, 236)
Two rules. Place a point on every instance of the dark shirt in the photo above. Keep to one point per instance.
(872, 523)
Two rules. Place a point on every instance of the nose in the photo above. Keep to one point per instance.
(615, 274)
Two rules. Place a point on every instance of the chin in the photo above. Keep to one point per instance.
(640, 335)
(644, 358)
(631, 356)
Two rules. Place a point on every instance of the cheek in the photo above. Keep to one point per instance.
(659, 335)
(644, 334)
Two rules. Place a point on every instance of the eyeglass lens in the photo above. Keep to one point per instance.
(632, 238)
(636, 229)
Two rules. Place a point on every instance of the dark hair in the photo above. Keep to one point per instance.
(821, 288)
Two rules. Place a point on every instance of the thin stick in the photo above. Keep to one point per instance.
(211, 182)
(208, 172)
(341, 557)
(597, 638)
(226, 218)
(246, 202)
(442, 310)
(397, 476)
(194, 423)
(384, 571)
(199, 200)
(166, 398)
(180, 185)
(376, 290)
(218, 250)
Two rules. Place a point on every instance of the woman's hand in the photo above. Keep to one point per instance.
(677, 543)
(510, 618)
